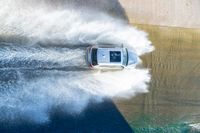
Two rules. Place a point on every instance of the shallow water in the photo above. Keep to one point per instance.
(173, 103)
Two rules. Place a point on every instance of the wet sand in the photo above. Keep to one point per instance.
(178, 13)
(173, 101)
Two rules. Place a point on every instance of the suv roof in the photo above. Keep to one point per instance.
(110, 56)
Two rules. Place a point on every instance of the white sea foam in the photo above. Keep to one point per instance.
(195, 127)
(31, 24)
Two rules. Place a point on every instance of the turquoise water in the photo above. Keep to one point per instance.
(149, 124)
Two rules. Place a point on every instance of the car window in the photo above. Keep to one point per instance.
(94, 57)
(125, 57)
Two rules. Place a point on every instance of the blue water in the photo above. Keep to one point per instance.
(97, 118)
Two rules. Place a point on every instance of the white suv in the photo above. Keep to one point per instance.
(110, 58)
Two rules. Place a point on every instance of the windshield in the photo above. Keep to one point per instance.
(125, 57)
(94, 57)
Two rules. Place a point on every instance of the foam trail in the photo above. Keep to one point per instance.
(31, 94)
(38, 57)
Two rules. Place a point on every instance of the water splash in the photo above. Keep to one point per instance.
(43, 38)
(12, 56)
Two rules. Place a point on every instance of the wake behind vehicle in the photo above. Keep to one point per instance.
(110, 58)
